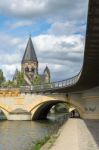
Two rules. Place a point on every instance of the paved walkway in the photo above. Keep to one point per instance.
(78, 134)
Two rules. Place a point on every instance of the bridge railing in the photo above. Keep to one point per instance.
(50, 86)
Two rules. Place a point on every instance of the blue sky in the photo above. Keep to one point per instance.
(57, 29)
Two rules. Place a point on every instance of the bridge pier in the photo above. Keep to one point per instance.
(87, 103)
(20, 117)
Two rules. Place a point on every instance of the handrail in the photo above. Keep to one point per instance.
(52, 85)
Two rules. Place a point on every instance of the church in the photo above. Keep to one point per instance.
(29, 66)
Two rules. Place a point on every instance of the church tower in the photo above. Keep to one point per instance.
(47, 75)
(29, 64)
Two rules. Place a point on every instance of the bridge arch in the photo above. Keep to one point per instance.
(40, 111)
(5, 110)
(41, 105)
(77, 106)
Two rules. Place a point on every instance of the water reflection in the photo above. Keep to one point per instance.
(21, 135)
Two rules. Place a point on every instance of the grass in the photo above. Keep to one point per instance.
(40, 143)
(52, 140)
(47, 142)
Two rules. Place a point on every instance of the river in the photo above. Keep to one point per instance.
(22, 135)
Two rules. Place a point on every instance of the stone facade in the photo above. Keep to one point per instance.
(29, 65)
(30, 69)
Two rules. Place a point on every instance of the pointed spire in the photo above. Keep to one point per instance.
(47, 70)
(29, 54)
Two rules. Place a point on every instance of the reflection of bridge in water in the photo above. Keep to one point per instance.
(76, 91)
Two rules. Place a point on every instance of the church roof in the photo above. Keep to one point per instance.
(47, 70)
(29, 54)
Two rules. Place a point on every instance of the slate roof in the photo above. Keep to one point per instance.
(29, 54)
(47, 70)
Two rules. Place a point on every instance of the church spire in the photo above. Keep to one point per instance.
(29, 54)
(47, 70)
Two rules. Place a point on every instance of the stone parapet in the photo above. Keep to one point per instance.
(9, 93)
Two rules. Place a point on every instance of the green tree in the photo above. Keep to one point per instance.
(2, 78)
(17, 83)
(36, 80)
(61, 107)
(20, 79)
(8, 84)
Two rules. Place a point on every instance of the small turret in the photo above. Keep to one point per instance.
(47, 75)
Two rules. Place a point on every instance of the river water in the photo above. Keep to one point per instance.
(22, 135)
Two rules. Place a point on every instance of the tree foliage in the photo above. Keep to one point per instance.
(60, 108)
(20, 79)
(36, 80)
(8, 84)
(2, 78)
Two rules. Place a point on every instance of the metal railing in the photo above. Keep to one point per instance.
(50, 86)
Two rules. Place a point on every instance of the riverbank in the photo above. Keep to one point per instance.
(46, 142)
(51, 141)
(41, 142)
(78, 134)
(68, 137)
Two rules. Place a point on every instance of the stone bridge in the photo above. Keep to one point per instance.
(17, 106)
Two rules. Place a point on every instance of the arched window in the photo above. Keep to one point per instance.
(32, 69)
(26, 69)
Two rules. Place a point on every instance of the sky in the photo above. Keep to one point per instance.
(57, 29)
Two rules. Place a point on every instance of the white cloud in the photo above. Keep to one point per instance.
(10, 53)
(9, 58)
(19, 24)
(66, 28)
(60, 53)
(59, 48)
(52, 43)
(9, 70)
(8, 43)
(41, 8)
